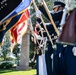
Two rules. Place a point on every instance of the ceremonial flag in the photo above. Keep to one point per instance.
(13, 43)
(7, 25)
(21, 27)
(7, 6)
(22, 6)
(13, 34)
(68, 35)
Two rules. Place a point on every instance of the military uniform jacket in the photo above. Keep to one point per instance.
(56, 16)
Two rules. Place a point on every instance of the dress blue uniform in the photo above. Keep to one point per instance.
(57, 16)
(47, 52)
(68, 61)
(40, 58)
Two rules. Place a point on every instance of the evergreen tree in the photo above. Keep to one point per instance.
(5, 48)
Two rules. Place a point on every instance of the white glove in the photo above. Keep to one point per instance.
(51, 56)
(40, 46)
(39, 1)
(59, 54)
(32, 38)
(74, 51)
(38, 13)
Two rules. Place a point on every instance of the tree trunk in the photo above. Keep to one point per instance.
(24, 57)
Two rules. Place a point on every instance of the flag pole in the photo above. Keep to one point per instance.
(43, 23)
(46, 30)
(50, 17)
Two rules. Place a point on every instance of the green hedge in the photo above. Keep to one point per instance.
(6, 65)
(33, 65)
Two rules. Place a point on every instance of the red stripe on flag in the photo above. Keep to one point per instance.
(24, 16)
(21, 27)
(14, 31)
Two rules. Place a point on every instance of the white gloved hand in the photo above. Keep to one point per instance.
(51, 56)
(39, 1)
(74, 51)
(38, 13)
(32, 38)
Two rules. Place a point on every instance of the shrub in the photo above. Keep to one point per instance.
(33, 65)
(6, 65)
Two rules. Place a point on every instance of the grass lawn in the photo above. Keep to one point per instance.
(15, 72)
